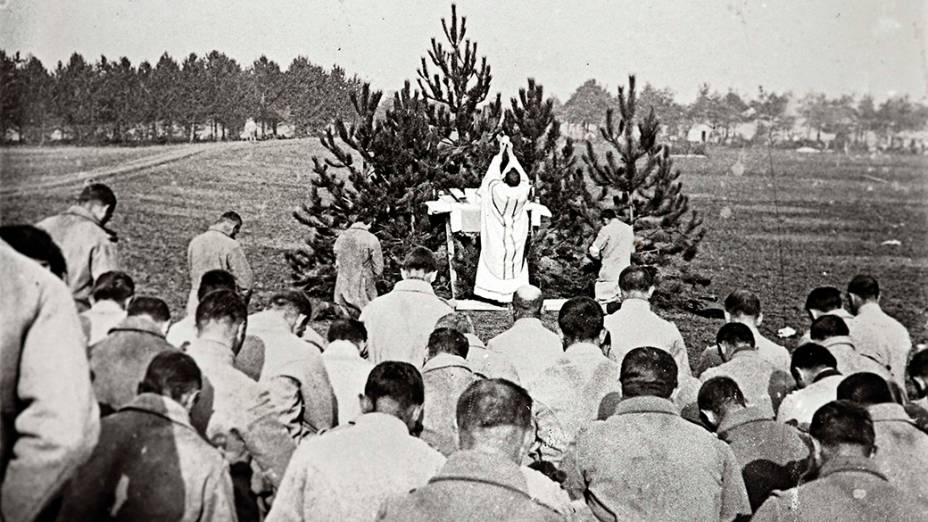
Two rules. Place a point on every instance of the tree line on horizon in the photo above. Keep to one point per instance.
(117, 102)
(114, 101)
(846, 117)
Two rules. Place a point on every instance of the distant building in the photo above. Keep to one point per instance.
(699, 133)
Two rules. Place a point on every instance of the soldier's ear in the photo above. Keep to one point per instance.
(367, 405)
(431, 276)
(760, 319)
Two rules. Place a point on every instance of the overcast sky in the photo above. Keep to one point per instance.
(839, 46)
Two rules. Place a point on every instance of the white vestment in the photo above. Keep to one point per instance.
(504, 225)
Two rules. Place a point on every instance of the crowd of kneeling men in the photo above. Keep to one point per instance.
(405, 414)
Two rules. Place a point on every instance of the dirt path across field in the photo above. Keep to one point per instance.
(124, 170)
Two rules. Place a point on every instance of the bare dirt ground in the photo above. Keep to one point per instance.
(810, 220)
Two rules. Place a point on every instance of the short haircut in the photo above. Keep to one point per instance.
(446, 340)
(213, 280)
(864, 286)
(420, 259)
(810, 356)
(397, 380)
(648, 371)
(581, 318)
(35, 243)
(459, 321)
(528, 300)
(294, 300)
(607, 213)
(221, 306)
(153, 307)
(735, 334)
(842, 422)
(828, 326)
(824, 298)
(488, 403)
(717, 392)
(172, 374)
(512, 178)
(231, 217)
(113, 286)
(636, 279)
(97, 192)
(918, 365)
(743, 303)
(865, 388)
(350, 330)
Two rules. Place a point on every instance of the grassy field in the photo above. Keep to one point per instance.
(19, 165)
(809, 220)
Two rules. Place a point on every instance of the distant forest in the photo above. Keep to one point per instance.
(118, 102)
(212, 97)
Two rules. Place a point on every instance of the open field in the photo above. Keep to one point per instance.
(810, 220)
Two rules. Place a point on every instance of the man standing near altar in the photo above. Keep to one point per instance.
(504, 225)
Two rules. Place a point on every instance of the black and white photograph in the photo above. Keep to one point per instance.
(463, 260)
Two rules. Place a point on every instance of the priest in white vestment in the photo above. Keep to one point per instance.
(504, 226)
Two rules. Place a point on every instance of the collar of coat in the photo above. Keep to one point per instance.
(831, 372)
(342, 349)
(645, 404)
(741, 417)
(483, 468)
(837, 341)
(889, 412)
(414, 285)
(444, 361)
(584, 349)
(219, 227)
(138, 324)
(212, 349)
(161, 406)
(844, 464)
(83, 213)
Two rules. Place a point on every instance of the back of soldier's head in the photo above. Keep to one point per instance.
(36, 244)
(828, 326)
(843, 424)
(823, 299)
(350, 330)
(292, 301)
(865, 389)
(222, 307)
(918, 365)
(648, 371)
(232, 218)
(864, 286)
(447, 341)
(397, 381)
(811, 356)
(459, 321)
(527, 301)
(736, 335)
(172, 374)
(580, 320)
(742, 303)
(214, 280)
(719, 393)
(494, 412)
(420, 260)
(113, 286)
(638, 279)
(97, 193)
(151, 307)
